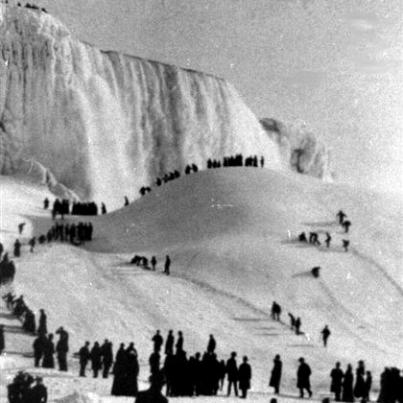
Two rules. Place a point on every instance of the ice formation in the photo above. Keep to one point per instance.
(300, 149)
(104, 123)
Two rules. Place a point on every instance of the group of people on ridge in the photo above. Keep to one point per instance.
(142, 261)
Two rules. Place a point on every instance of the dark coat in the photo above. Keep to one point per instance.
(348, 381)
(303, 375)
(48, 352)
(38, 394)
(276, 373)
(337, 378)
(84, 355)
(244, 376)
(232, 370)
(95, 357)
(359, 388)
(2, 342)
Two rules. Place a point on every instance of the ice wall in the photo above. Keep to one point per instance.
(105, 123)
(300, 149)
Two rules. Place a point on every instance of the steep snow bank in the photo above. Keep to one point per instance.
(106, 123)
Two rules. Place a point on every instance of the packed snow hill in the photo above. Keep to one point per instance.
(232, 237)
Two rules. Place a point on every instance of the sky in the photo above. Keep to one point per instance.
(336, 65)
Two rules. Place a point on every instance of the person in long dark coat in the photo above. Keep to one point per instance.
(303, 378)
(244, 376)
(169, 344)
(232, 374)
(348, 381)
(119, 372)
(62, 348)
(368, 385)
(48, 352)
(359, 387)
(275, 377)
(2, 341)
(107, 357)
(38, 346)
(154, 362)
(132, 368)
(84, 355)
(17, 248)
(42, 328)
(337, 379)
(95, 356)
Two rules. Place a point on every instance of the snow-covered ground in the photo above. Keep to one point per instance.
(230, 234)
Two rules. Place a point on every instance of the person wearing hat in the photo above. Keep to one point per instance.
(153, 394)
(303, 375)
(275, 377)
(245, 376)
(39, 393)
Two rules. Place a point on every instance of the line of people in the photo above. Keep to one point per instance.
(236, 161)
(142, 261)
(26, 389)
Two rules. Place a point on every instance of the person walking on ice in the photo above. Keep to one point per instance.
(325, 335)
(341, 216)
(303, 378)
(167, 265)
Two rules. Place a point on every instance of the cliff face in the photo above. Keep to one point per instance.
(105, 123)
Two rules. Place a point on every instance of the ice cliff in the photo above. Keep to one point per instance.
(104, 123)
(300, 150)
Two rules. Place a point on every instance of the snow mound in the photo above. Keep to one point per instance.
(77, 397)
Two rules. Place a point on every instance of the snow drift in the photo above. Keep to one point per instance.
(105, 123)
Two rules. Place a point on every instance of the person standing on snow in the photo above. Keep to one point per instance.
(325, 335)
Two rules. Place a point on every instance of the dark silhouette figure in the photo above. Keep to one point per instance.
(328, 240)
(368, 385)
(103, 208)
(325, 335)
(42, 328)
(38, 393)
(261, 162)
(302, 237)
(2, 340)
(95, 356)
(244, 376)
(107, 357)
(32, 243)
(313, 238)
(169, 344)
(179, 342)
(84, 356)
(211, 346)
(346, 244)
(275, 311)
(153, 263)
(315, 271)
(341, 216)
(275, 377)
(119, 372)
(158, 341)
(62, 348)
(303, 378)
(298, 325)
(359, 387)
(132, 371)
(348, 381)
(292, 321)
(346, 225)
(46, 204)
(17, 248)
(167, 265)
(154, 362)
(232, 374)
(48, 352)
(153, 394)
(337, 378)
(21, 227)
(126, 201)
(39, 346)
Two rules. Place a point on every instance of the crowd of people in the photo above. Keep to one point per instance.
(145, 263)
(76, 234)
(65, 207)
(313, 238)
(26, 389)
(236, 161)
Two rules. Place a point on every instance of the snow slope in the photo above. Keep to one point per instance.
(229, 233)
